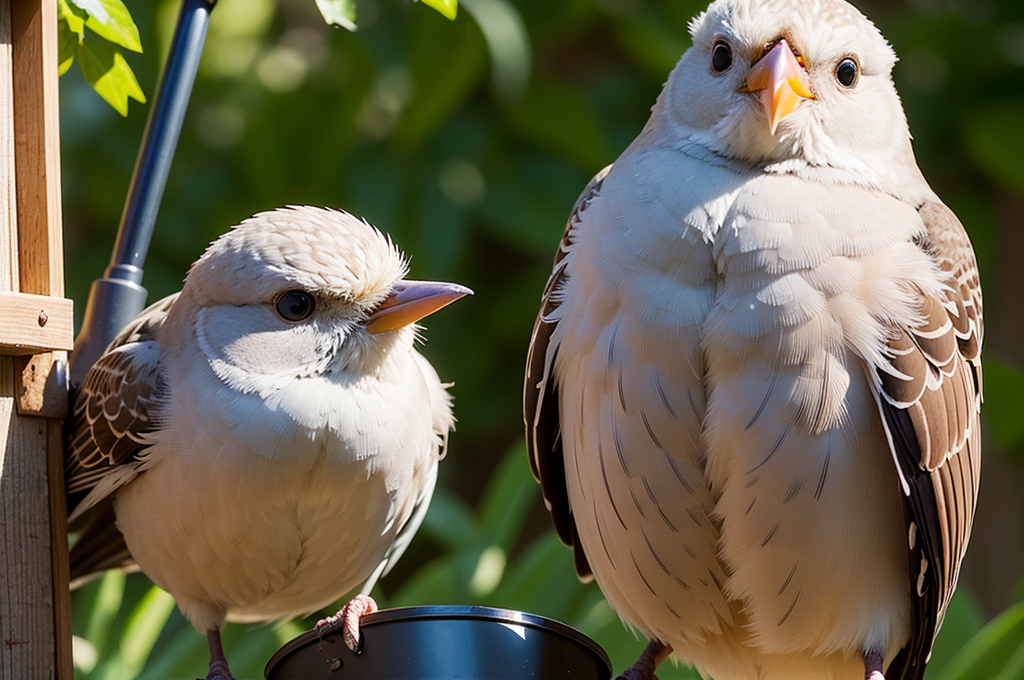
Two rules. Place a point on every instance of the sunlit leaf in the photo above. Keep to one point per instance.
(105, 68)
(109, 594)
(338, 12)
(448, 8)
(141, 631)
(67, 46)
(110, 19)
(996, 653)
(70, 29)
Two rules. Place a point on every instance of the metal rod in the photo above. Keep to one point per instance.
(118, 297)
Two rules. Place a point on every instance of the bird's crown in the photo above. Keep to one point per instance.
(316, 249)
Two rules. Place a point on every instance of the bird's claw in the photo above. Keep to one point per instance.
(644, 668)
(348, 618)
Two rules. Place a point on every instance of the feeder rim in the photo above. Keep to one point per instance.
(457, 612)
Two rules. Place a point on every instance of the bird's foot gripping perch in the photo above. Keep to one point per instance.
(648, 662)
(348, 618)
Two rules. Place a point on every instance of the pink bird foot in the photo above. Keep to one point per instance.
(348, 617)
(873, 666)
(648, 662)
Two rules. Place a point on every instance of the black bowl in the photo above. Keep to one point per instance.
(445, 643)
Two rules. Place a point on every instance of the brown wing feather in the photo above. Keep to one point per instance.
(115, 408)
(930, 403)
(540, 398)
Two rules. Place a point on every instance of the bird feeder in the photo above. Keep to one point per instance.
(36, 331)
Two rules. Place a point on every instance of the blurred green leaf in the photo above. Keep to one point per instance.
(653, 42)
(993, 133)
(111, 20)
(507, 43)
(996, 653)
(448, 8)
(446, 60)
(510, 493)
(1004, 385)
(561, 121)
(107, 596)
(338, 12)
(450, 521)
(141, 631)
(105, 69)
(963, 621)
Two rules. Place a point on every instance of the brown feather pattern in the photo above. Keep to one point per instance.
(116, 406)
(930, 398)
(540, 398)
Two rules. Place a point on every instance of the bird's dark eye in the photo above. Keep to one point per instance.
(847, 72)
(721, 56)
(294, 305)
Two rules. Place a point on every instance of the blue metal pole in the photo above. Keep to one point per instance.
(118, 297)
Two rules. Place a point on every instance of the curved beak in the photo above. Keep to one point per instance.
(780, 81)
(410, 301)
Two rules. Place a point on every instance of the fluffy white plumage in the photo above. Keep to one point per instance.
(754, 382)
(266, 447)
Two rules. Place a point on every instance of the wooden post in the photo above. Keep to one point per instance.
(36, 331)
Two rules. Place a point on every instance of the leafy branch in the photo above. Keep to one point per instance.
(95, 31)
(98, 49)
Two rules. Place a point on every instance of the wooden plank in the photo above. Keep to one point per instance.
(64, 659)
(37, 147)
(8, 205)
(35, 323)
(27, 640)
(35, 612)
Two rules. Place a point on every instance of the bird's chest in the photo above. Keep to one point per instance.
(714, 346)
(263, 540)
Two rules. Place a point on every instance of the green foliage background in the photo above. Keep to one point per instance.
(468, 141)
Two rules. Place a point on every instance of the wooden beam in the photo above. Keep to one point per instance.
(37, 147)
(8, 191)
(35, 620)
(35, 323)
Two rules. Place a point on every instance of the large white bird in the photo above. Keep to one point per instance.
(268, 437)
(753, 390)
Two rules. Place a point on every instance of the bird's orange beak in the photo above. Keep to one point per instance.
(780, 81)
(410, 301)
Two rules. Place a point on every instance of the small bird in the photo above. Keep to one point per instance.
(753, 389)
(268, 438)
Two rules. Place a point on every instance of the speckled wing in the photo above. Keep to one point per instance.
(930, 399)
(115, 411)
(540, 399)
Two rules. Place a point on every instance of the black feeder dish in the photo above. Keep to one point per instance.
(445, 643)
